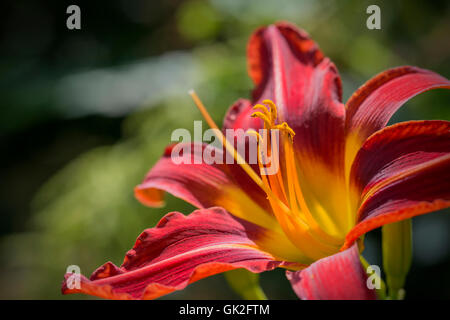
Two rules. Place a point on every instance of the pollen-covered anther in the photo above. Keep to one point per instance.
(259, 140)
(273, 109)
(263, 117)
(284, 127)
(255, 134)
(267, 112)
(264, 110)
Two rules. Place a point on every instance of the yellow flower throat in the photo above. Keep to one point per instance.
(283, 188)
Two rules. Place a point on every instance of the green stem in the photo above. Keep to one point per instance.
(245, 284)
(381, 293)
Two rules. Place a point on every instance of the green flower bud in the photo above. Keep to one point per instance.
(397, 255)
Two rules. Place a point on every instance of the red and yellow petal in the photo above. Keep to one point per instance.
(422, 192)
(337, 277)
(178, 251)
(205, 185)
(398, 148)
(400, 172)
(288, 68)
(372, 105)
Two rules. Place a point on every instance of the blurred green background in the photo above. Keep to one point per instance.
(86, 113)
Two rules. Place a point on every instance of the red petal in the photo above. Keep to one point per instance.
(288, 68)
(337, 277)
(178, 251)
(238, 116)
(401, 171)
(372, 105)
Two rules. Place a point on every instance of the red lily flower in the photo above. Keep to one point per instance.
(342, 175)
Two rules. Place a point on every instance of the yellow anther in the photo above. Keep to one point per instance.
(259, 141)
(254, 134)
(258, 137)
(262, 116)
(264, 110)
(285, 127)
(273, 109)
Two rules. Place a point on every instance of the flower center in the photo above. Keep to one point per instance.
(287, 199)
(282, 188)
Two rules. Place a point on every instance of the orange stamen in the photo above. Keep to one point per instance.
(288, 202)
(229, 147)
